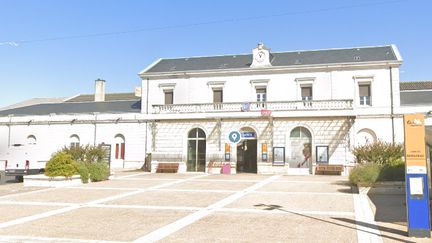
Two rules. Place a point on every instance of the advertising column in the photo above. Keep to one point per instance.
(417, 198)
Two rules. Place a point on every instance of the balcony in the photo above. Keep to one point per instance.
(309, 105)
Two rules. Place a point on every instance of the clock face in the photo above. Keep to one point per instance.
(260, 57)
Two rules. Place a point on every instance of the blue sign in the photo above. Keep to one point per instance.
(234, 137)
(245, 106)
(418, 205)
(248, 135)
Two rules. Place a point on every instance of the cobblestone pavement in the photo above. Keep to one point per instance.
(141, 207)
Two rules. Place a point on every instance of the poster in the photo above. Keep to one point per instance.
(278, 155)
(322, 154)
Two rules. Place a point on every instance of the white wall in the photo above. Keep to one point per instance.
(327, 85)
(52, 137)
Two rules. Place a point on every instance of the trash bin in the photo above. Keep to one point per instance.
(226, 169)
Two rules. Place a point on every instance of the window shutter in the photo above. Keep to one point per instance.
(169, 97)
(123, 150)
(217, 96)
(364, 90)
(117, 151)
(306, 91)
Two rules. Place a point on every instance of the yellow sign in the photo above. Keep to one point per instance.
(415, 147)
(264, 148)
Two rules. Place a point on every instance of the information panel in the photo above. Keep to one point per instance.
(415, 149)
(417, 196)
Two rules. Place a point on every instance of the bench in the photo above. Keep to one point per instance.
(167, 168)
(326, 169)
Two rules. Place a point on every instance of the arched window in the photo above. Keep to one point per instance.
(300, 148)
(365, 136)
(196, 150)
(300, 132)
(74, 141)
(119, 146)
(31, 140)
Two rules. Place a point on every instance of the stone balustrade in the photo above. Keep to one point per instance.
(309, 105)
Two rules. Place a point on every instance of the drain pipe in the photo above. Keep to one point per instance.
(391, 105)
(9, 130)
(148, 166)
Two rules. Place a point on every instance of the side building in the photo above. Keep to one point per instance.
(46, 126)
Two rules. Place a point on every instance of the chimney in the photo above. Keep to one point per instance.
(99, 90)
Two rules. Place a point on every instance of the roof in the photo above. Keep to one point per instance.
(33, 101)
(418, 85)
(295, 58)
(128, 106)
(416, 98)
(108, 97)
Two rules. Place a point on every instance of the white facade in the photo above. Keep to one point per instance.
(336, 117)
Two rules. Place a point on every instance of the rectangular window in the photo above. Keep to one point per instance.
(169, 97)
(217, 96)
(261, 94)
(365, 94)
(306, 93)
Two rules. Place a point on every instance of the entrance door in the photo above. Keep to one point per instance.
(247, 156)
(196, 150)
(300, 147)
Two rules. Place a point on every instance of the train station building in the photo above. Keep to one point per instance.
(261, 112)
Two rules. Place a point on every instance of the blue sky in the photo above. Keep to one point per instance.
(140, 32)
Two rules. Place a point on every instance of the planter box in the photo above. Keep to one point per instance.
(45, 181)
(384, 187)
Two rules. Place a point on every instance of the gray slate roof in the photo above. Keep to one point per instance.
(416, 98)
(108, 97)
(416, 93)
(33, 101)
(295, 58)
(129, 106)
(418, 85)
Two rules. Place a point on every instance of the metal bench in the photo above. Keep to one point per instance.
(167, 168)
(326, 169)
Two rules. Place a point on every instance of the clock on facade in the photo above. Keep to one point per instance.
(260, 57)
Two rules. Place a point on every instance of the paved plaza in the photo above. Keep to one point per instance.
(141, 207)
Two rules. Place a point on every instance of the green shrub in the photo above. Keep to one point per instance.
(393, 172)
(84, 172)
(98, 171)
(85, 153)
(365, 174)
(380, 153)
(90, 160)
(61, 164)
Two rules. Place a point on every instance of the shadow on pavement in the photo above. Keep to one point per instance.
(352, 223)
(389, 208)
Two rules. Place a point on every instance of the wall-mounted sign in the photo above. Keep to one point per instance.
(245, 106)
(278, 155)
(248, 135)
(265, 112)
(227, 152)
(264, 152)
(322, 154)
(234, 137)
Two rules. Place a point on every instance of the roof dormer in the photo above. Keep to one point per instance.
(261, 56)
